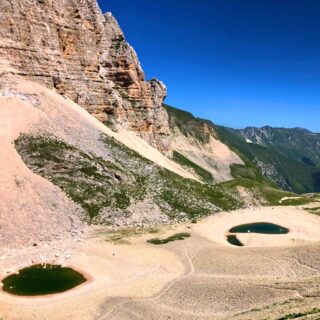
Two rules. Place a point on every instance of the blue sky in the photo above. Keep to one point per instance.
(236, 62)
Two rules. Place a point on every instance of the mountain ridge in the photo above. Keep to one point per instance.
(289, 157)
(161, 215)
(113, 155)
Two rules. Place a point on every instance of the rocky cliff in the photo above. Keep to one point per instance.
(72, 47)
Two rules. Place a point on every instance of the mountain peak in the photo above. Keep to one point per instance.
(84, 56)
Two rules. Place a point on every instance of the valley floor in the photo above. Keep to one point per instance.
(201, 277)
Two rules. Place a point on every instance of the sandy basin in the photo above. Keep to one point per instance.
(303, 227)
(201, 277)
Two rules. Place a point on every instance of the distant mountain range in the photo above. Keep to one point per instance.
(290, 158)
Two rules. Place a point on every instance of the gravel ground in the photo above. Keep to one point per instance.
(197, 278)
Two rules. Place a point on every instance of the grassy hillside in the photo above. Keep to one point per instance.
(109, 187)
(103, 185)
(297, 143)
(290, 173)
(248, 176)
(287, 158)
(188, 124)
(196, 169)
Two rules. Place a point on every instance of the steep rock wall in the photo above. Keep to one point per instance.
(72, 47)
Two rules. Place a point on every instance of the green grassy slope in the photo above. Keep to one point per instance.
(301, 177)
(248, 176)
(188, 164)
(296, 143)
(188, 124)
(289, 156)
(99, 184)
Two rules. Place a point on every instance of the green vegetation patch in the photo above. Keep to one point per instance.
(113, 184)
(176, 196)
(117, 42)
(188, 124)
(296, 202)
(300, 314)
(315, 210)
(193, 198)
(248, 171)
(205, 175)
(263, 191)
(106, 188)
(175, 237)
(88, 180)
(122, 236)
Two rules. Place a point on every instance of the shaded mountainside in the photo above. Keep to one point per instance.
(297, 143)
(195, 144)
(289, 157)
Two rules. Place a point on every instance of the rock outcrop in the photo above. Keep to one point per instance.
(72, 47)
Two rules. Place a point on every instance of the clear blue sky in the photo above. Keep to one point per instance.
(236, 62)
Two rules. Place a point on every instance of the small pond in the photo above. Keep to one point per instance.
(42, 280)
(257, 227)
(260, 227)
(232, 239)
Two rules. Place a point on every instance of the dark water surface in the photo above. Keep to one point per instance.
(232, 239)
(42, 280)
(260, 227)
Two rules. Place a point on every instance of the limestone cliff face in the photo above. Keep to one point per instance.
(71, 46)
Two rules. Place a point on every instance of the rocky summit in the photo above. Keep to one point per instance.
(70, 46)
